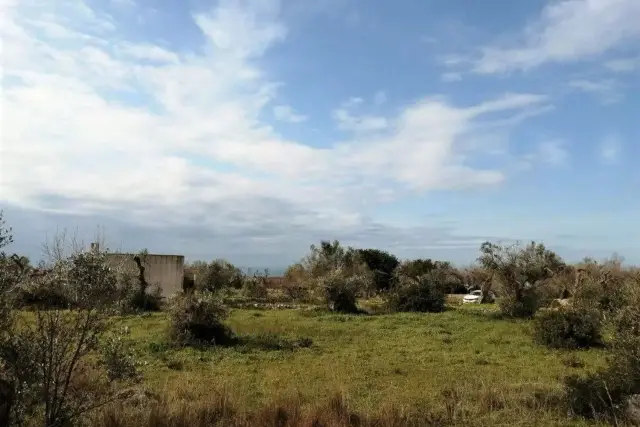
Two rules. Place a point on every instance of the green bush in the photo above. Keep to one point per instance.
(441, 274)
(520, 272)
(215, 276)
(602, 394)
(340, 291)
(256, 286)
(523, 306)
(568, 328)
(117, 358)
(382, 264)
(197, 319)
(42, 293)
(417, 295)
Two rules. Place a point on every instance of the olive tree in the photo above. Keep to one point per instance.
(47, 356)
(518, 272)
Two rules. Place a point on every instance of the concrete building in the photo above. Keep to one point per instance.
(165, 271)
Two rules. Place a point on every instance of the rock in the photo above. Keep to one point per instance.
(632, 409)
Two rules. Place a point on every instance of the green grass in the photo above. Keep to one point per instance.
(487, 369)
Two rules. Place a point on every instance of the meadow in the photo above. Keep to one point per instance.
(465, 366)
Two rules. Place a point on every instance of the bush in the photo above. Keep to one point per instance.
(568, 328)
(295, 291)
(602, 288)
(382, 264)
(197, 319)
(119, 361)
(45, 359)
(147, 301)
(216, 275)
(256, 286)
(417, 295)
(441, 274)
(519, 272)
(42, 293)
(524, 305)
(603, 394)
(340, 291)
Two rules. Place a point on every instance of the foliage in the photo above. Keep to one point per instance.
(295, 291)
(416, 268)
(256, 286)
(331, 256)
(602, 394)
(340, 290)
(11, 274)
(518, 272)
(43, 356)
(43, 293)
(441, 273)
(217, 275)
(603, 286)
(382, 264)
(569, 327)
(418, 295)
(295, 273)
(332, 272)
(197, 319)
(118, 359)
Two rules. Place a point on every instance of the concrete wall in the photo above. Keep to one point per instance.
(165, 271)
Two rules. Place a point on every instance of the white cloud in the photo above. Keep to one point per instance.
(553, 152)
(607, 90)
(550, 152)
(566, 31)
(347, 121)
(610, 149)
(147, 51)
(105, 125)
(451, 77)
(380, 98)
(286, 114)
(623, 65)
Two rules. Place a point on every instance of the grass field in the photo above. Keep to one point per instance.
(464, 365)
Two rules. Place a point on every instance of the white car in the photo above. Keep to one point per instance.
(475, 297)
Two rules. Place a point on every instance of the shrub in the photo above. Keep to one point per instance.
(147, 301)
(519, 272)
(295, 291)
(215, 276)
(524, 305)
(602, 287)
(197, 319)
(382, 264)
(42, 293)
(340, 291)
(256, 286)
(603, 394)
(568, 328)
(117, 358)
(329, 257)
(418, 295)
(442, 274)
(47, 360)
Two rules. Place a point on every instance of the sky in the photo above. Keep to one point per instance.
(249, 130)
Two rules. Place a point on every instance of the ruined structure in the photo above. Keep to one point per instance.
(164, 271)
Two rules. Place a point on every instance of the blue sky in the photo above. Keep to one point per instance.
(251, 129)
